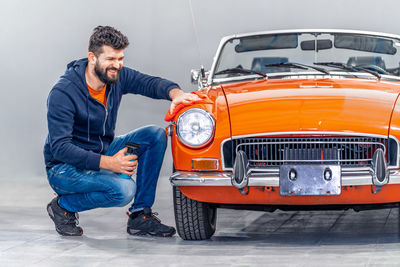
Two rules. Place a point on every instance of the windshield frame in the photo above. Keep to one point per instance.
(226, 39)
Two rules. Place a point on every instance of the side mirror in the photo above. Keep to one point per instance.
(196, 78)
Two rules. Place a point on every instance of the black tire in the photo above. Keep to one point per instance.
(194, 220)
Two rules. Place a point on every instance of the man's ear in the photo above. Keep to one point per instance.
(92, 58)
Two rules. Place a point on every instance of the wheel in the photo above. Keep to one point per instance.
(194, 220)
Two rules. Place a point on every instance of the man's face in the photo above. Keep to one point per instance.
(108, 64)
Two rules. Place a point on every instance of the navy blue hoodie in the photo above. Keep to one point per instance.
(80, 127)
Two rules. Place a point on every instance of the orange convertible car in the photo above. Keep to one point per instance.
(290, 120)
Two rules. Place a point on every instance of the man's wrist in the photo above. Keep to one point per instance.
(175, 92)
(105, 162)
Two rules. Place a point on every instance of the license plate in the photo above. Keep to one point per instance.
(309, 180)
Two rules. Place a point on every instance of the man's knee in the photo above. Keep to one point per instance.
(125, 192)
(158, 134)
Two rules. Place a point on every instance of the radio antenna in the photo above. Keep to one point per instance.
(203, 74)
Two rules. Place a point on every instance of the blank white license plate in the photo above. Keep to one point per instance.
(309, 180)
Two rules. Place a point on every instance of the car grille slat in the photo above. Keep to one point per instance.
(271, 152)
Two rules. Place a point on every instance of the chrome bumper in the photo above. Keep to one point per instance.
(182, 178)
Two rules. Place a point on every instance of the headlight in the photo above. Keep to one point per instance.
(195, 127)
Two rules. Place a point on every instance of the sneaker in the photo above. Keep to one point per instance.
(145, 222)
(64, 220)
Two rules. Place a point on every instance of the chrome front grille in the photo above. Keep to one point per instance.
(271, 152)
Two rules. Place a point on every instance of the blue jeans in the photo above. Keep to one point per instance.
(81, 190)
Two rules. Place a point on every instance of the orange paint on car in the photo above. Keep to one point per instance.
(268, 106)
(349, 195)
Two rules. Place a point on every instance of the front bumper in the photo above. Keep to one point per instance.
(349, 178)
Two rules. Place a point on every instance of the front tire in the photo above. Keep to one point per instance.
(194, 220)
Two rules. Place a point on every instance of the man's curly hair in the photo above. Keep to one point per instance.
(106, 35)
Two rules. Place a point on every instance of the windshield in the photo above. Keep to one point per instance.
(276, 55)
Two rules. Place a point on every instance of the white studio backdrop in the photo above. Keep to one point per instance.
(38, 38)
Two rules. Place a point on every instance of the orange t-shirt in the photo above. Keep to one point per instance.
(99, 95)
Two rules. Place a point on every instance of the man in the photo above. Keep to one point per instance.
(83, 160)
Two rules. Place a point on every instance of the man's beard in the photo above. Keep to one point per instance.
(102, 75)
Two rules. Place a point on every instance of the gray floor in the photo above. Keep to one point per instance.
(243, 238)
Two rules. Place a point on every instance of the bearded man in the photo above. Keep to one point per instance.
(84, 161)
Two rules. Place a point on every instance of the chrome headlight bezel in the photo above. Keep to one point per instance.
(203, 112)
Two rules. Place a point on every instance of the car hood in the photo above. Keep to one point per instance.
(327, 105)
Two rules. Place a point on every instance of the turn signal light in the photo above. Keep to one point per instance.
(205, 164)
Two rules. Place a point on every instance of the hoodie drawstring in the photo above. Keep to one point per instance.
(88, 120)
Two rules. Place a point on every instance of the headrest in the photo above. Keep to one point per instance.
(364, 61)
(260, 62)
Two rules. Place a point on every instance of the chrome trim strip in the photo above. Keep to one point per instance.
(311, 142)
(388, 35)
(344, 169)
(308, 133)
(309, 75)
(315, 133)
(266, 179)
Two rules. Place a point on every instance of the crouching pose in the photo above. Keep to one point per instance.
(83, 159)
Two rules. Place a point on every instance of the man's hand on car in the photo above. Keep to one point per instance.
(180, 97)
